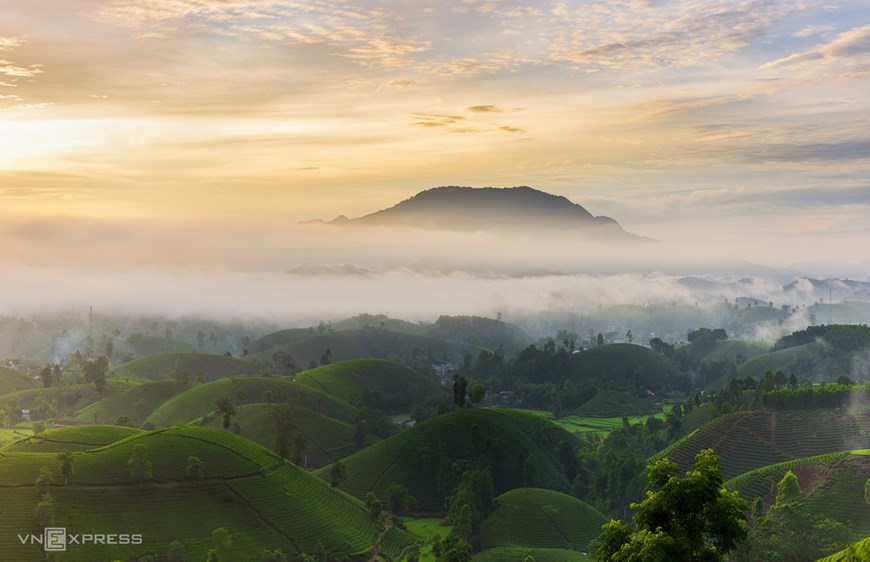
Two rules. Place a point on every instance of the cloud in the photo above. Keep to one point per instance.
(434, 120)
(508, 129)
(484, 109)
(851, 47)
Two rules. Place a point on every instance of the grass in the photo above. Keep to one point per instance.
(518, 554)
(390, 387)
(201, 399)
(263, 502)
(163, 365)
(536, 518)
(589, 424)
(521, 448)
(746, 441)
(618, 363)
(77, 438)
(326, 438)
(136, 403)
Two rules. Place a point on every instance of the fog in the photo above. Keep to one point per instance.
(303, 273)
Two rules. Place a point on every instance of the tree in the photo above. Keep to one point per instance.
(299, 444)
(337, 473)
(359, 434)
(788, 489)
(283, 431)
(459, 386)
(175, 552)
(600, 339)
(227, 410)
(222, 543)
(45, 510)
(194, 471)
(66, 465)
(691, 519)
(326, 358)
(477, 392)
(139, 465)
(43, 481)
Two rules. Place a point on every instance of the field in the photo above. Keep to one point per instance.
(264, 502)
(535, 518)
(77, 438)
(587, 424)
(201, 399)
(390, 387)
(163, 365)
(520, 447)
(616, 404)
(749, 440)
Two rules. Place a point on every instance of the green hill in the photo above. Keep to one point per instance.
(856, 551)
(521, 449)
(804, 361)
(326, 438)
(536, 518)
(378, 321)
(59, 400)
(202, 399)
(140, 345)
(480, 332)
(384, 385)
(375, 343)
(12, 380)
(728, 350)
(833, 485)
(136, 403)
(621, 364)
(76, 438)
(608, 404)
(277, 339)
(262, 502)
(518, 554)
(746, 441)
(164, 365)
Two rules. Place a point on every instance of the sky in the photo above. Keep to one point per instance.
(133, 128)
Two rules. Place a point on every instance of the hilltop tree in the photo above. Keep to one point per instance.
(139, 465)
(194, 471)
(227, 410)
(459, 386)
(689, 519)
(337, 473)
(95, 372)
(43, 481)
(282, 430)
(326, 358)
(66, 465)
(477, 393)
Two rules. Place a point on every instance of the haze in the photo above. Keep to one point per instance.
(158, 154)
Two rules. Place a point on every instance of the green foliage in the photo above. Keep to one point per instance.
(194, 472)
(66, 465)
(175, 552)
(43, 481)
(139, 465)
(45, 511)
(788, 489)
(682, 519)
(337, 473)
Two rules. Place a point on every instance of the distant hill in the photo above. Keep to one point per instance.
(376, 343)
(384, 385)
(621, 364)
(479, 331)
(378, 321)
(140, 345)
(136, 403)
(749, 440)
(514, 209)
(521, 448)
(537, 518)
(12, 380)
(164, 365)
(279, 338)
(609, 403)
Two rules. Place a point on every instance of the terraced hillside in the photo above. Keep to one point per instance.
(263, 502)
(163, 365)
(785, 360)
(78, 438)
(60, 400)
(12, 380)
(520, 448)
(386, 385)
(326, 438)
(619, 363)
(376, 343)
(746, 441)
(729, 350)
(833, 485)
(279, 338)
(609, 403)
(857, 551)
(201, 399)
(136, 403)
(536, 518)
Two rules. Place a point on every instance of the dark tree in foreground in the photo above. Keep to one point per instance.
(688, 519)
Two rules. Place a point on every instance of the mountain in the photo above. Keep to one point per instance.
(514, 209)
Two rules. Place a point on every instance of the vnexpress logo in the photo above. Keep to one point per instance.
(54, 539)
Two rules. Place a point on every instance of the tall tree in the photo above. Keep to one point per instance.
(688, 519)
(139, 465)
(66, 465)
